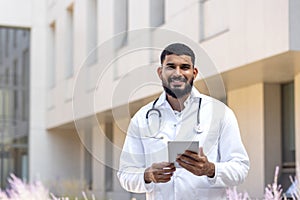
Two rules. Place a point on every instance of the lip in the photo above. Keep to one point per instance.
(177, 83)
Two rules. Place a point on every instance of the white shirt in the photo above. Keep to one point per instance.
(220, 139)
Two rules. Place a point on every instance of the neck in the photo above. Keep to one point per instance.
(177, 104)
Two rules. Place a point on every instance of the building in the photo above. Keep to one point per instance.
(77, 69)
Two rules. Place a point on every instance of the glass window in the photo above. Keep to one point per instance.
(157, 12)
(92, 31)
(15, 38)
(69, 42)
(288, 122)
(109, 157)
(288, 134)
(212, 25)
(25, 67)
(88, 159)
(15, 72)
(121, 22)
(16, 107)
(13, 158)
(1, 48)
(52, 56)
(6, 42)
(7, 78)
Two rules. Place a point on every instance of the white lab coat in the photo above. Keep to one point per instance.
(220, 140)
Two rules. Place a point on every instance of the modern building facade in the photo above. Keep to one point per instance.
(89, 60)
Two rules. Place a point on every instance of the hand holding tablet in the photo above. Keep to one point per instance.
(176, 148)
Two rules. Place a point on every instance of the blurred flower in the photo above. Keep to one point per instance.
(232, 194)
(294, 190)
(18, 190)
(21, 191)
(274, 191)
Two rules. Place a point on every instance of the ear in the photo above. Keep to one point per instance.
(195, 72)
(159, 72)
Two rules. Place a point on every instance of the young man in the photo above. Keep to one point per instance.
(181, 113)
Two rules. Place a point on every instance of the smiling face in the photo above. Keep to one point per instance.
(177, 74)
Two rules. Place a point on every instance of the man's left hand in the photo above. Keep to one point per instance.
(197, 164)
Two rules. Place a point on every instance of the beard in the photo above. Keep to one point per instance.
(177, 93)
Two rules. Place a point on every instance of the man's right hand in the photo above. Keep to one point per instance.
(159, 172)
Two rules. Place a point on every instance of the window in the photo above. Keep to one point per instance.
(25, 67)
(157, 13)
(88, 169)
(24, 33)
(7, 78)
(1, 47)
(288, 132)
(88, 159)
(6, 42)
(92, 31)
(69, 42)
(16, 107)
(109, 157)
(15, 72)
(121, 22)
(25, 107)
(12, 102)
(52, 56)
(15, 38)
(212, 25)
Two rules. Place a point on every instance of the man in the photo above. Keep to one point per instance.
(222, 160)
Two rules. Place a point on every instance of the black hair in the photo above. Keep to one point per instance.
(177, 49)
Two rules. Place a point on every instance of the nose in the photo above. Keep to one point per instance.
(177, 71)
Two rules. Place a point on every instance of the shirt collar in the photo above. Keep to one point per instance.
(195, 94)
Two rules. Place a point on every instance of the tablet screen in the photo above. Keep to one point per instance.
(178, 147)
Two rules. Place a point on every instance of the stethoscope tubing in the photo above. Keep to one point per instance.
(153, 109)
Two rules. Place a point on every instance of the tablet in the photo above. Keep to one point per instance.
(178, 147)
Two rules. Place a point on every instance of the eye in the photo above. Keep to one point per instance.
(185, 67)
(170, 67)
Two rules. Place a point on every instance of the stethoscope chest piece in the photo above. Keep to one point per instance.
(198, 128)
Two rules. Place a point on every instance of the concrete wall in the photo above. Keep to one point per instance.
(48, 150)
(272, 130)
(17, 13)
(38, 137)
(250, 37)
(248, 105)
(258, 110)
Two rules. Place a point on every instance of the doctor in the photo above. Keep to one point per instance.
(182, 113)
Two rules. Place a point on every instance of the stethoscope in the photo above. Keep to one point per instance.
(197, 127)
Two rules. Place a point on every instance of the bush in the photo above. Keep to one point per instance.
(272, 191)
